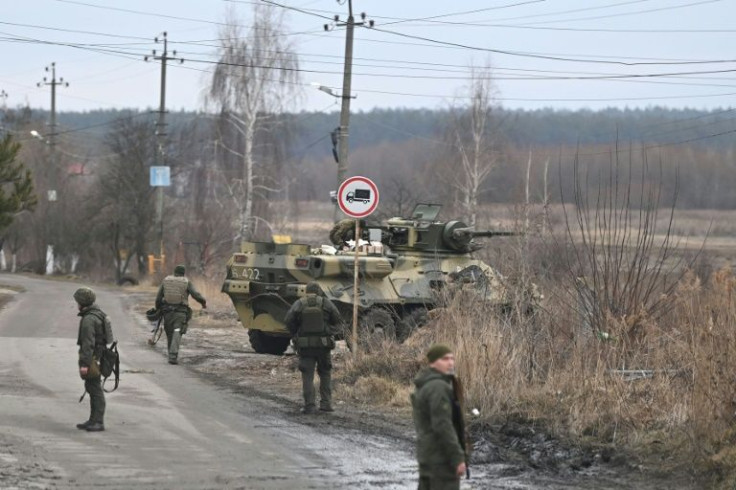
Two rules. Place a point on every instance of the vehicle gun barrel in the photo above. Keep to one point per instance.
(468, 233)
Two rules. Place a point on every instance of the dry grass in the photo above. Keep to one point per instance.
(583, 388)
(552, 372)
(211, 289)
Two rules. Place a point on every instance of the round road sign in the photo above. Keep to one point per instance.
(357, 197)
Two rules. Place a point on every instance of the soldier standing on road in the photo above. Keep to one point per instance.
(91, 342)
(173, 300)
(439, 423)
(313, 321)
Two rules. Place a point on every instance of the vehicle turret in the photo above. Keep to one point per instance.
(407, 266)
(423, 234)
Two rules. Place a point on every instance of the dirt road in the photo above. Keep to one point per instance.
(220, 419)
(166, 428)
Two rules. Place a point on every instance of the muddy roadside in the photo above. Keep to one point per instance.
(510, 454)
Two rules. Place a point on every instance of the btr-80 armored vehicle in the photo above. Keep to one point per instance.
(401, 277)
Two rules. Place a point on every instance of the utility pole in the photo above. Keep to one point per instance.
(53, 171)
(161, 134)
(343, 130)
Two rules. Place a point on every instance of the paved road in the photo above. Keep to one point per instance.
(166, 428)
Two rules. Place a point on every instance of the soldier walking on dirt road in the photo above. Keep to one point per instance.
(439, 423)
(173, 300)
(312, 320)
(91, 342)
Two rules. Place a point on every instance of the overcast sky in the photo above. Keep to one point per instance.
(532, 45)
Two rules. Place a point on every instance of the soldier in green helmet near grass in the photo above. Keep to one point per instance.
(91, 341)
(173, 300)
(439, 422)
(312, 321)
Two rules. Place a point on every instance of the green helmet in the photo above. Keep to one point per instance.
(85, 296)
(180, 270)
(313, 287)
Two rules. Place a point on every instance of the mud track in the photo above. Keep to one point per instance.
(512, 455)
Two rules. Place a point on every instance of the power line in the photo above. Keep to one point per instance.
(92, 126)
(129, 54)
(397, 20)
(580, 29)
(73, 31)
(174, 17)
(549, 13)
(660, 9)
(566, 58)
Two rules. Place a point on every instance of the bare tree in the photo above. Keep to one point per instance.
(473, 136)
(622, 260)
(123, 201)
(256, 73)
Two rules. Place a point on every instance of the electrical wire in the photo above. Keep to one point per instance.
(397, 20)
(314, 33)
(526, 16)
(660, 9)
(566, 58)
(86, 128)
(129, 52)
(129, 55)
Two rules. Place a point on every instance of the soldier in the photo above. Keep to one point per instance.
(344, 231)
(173, 300)
(91, 342)
(439, 423)
(313, 321)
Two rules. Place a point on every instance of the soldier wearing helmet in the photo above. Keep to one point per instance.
(173, 300)
(91, 341)
(312, 321)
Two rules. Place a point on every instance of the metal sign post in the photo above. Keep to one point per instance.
(356, 269)
(357, 198)
(160, 177)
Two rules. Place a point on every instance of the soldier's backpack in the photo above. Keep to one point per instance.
(110, 357)
(313, 332)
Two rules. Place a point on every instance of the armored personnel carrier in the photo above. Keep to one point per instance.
(405, 264)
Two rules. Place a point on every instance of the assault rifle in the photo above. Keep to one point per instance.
(459, 422)
(156, 332)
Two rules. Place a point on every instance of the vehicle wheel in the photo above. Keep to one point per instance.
(413, 319)
(263, 343)
(375, 326)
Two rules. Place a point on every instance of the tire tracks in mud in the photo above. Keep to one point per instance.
(511, 456)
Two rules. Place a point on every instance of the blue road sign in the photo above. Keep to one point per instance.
(160, 176)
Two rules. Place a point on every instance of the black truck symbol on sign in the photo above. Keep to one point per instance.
(359, 195)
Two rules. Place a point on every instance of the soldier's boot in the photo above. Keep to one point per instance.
(174, 347)
(325, 392)
(96, 427)
(308, 392)
(84, 425)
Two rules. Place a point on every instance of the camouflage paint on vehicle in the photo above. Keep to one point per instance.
(400, 280)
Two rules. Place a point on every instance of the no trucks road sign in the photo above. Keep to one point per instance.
(357, 197)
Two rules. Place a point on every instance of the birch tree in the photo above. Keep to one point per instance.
(473, 135)
(256, 73)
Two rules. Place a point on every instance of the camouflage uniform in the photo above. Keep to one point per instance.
(344, 230)
(312, 321)
(91, 342)
(436, 419)
(173, 300)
